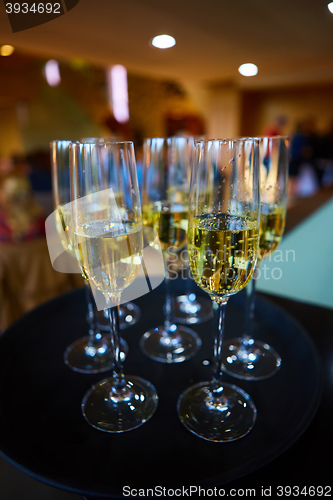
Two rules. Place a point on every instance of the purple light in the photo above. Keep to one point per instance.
(118, 93)
(52, 73)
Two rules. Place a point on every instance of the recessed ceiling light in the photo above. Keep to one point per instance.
(248, 69)
(163, 41)
(6, 50)
(330, 7)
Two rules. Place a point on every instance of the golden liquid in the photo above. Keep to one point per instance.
(272, 223)
(63, 218)
(170, 222)
(109, 253)
(223, 251)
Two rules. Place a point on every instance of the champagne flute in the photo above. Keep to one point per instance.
(93, 352)
(246, 357)
(129, 313)
(223, 237)
(190, 308)
(166, 174)
(107, 225)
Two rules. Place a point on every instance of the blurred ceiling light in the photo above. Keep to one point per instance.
(163, 41)
(118, 92)
(52, 73)
(330, 7)
(6, 50)
(248, 69)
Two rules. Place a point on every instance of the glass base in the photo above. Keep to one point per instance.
(129, 314)
(191, 309)
(111, 410)
(224, 415)
(82, 356)
(253, 360)
(174, 346)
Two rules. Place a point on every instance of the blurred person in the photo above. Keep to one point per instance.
(329, 139)
(326, 156)
(303, 152)
(310, 142)
(296, 146)
(21, 218)
(39, 171)
(296, 150)
(277, 127)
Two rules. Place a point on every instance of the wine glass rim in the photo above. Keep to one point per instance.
(102, 143)
(116, 142)
(260, 137)
(167, 138)
(67, 141)
(58, 141)
(226, 140)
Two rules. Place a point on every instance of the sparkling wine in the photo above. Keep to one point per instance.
(109, 253)
(170, 222)
(223, 250)
(272, 223)
(63, 217)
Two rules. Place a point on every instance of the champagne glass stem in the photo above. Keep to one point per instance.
(90, 314)
(118, 372)
(219, 321)
(250, 307)
(252, 303)
(168, 299)
(94, 331)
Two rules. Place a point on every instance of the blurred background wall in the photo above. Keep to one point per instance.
(32, 113)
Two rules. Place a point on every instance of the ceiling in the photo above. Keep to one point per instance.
(290, 41)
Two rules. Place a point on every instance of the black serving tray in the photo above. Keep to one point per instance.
(43, 433)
